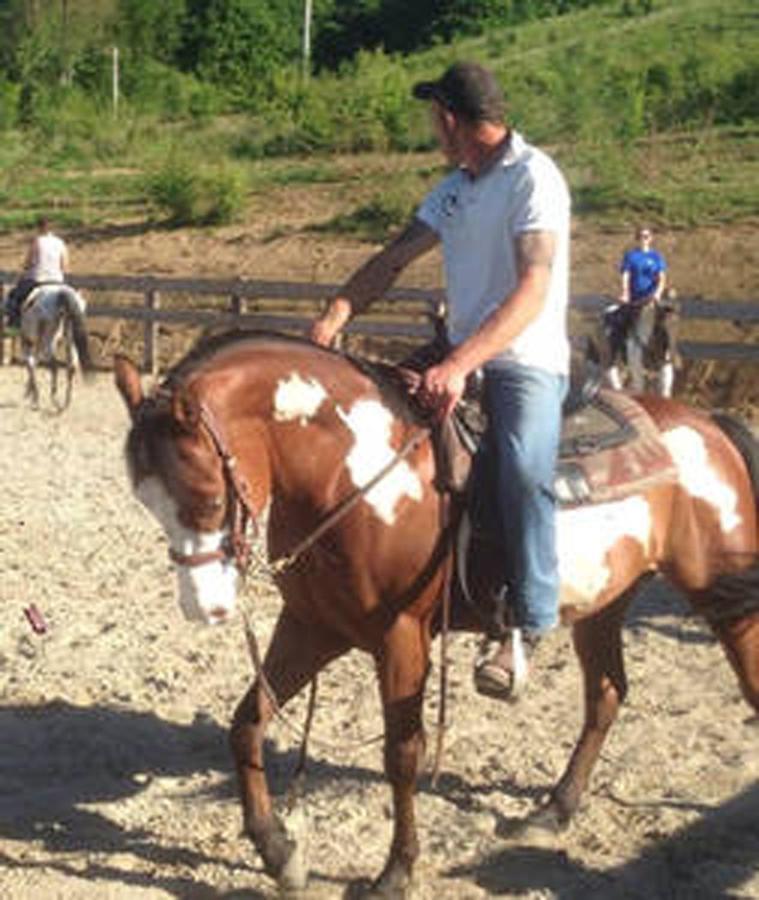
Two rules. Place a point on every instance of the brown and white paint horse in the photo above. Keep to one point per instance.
(293, 430)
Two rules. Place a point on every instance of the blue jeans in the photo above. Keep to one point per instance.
(523, 405)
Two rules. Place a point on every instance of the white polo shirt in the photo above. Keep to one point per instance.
(477, 221)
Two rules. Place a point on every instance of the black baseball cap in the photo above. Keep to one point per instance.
(466, 89)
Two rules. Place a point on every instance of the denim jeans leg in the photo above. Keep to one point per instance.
(524, 415)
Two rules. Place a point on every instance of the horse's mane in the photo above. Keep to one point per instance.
(384, 375)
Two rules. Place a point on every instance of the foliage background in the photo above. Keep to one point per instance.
(652, 106)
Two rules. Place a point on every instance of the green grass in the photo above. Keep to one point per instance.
(651, 115)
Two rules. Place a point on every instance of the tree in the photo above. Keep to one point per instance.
(240, 44)
(149, 29)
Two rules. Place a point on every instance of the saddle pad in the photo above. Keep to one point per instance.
(609, 450)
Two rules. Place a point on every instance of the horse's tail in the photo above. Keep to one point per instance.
(73, 307)
(744, 440)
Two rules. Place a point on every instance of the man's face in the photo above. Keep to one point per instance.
(446, 131)
(644, 238)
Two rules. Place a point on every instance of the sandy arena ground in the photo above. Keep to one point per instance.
(115, 780)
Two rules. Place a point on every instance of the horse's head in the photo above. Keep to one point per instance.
(178, 473)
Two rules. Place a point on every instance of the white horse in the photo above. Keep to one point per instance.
(53, 314)
(644, 337)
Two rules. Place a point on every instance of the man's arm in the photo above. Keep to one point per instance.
(64, 259)
(373, 279)
(444, 383)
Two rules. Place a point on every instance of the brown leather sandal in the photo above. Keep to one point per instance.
(502, 667)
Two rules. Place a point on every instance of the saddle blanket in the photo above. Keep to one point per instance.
(610, 449)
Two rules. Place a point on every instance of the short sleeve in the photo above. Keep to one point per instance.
(543, 203)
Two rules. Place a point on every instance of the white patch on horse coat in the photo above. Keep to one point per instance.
(586, 534)
(297, 398)
(688, 450)
(207, 592)
(371, 425)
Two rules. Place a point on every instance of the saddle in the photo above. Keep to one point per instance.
(610, 449)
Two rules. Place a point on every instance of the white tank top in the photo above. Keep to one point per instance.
(47, 262)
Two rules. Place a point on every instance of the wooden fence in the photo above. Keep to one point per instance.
(290, 306)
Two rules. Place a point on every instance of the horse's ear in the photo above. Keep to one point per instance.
(128, 382)
(185, 408)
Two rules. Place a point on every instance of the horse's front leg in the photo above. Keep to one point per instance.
(598, 643)
(296, 654)
(666, 378)
(53, 363)
(402, 666)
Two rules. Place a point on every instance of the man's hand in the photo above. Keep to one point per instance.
(326, 328)
(442, 387)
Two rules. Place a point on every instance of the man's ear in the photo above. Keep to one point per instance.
(185, 409)
(128, 382)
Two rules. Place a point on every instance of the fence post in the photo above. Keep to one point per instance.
(5, 342)
(150, 361)
(237, 306)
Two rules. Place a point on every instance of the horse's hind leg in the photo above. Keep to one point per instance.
(31, 392)
(53, 363)
(598, 644)
(295, 654)
(402, 668)
(740, 639)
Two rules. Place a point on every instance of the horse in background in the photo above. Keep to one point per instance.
(53, 320)
(249, 426)
(641, 338)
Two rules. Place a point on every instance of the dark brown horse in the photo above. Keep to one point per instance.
(255, 424)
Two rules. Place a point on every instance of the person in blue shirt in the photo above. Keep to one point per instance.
(644, 271)
(644, 277)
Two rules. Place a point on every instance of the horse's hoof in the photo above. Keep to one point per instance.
(293, 876)
(540, 828)
(395, 883)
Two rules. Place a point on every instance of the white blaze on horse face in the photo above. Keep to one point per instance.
(584, 537)
(206, 592)
(297, 398)
(371, 424)
(694, 472)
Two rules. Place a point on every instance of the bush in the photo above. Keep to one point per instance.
(8, 105)
(191, 197)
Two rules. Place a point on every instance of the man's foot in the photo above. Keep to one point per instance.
(502, 667)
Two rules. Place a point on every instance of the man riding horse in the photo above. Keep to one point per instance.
(502, 217)
(46, 262)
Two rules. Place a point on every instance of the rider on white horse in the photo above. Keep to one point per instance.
(46, 262)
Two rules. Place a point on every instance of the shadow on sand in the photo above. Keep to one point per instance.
(58, 758)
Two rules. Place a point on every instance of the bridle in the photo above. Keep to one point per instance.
(237, 545)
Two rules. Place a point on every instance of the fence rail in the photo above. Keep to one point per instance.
(410, 314)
